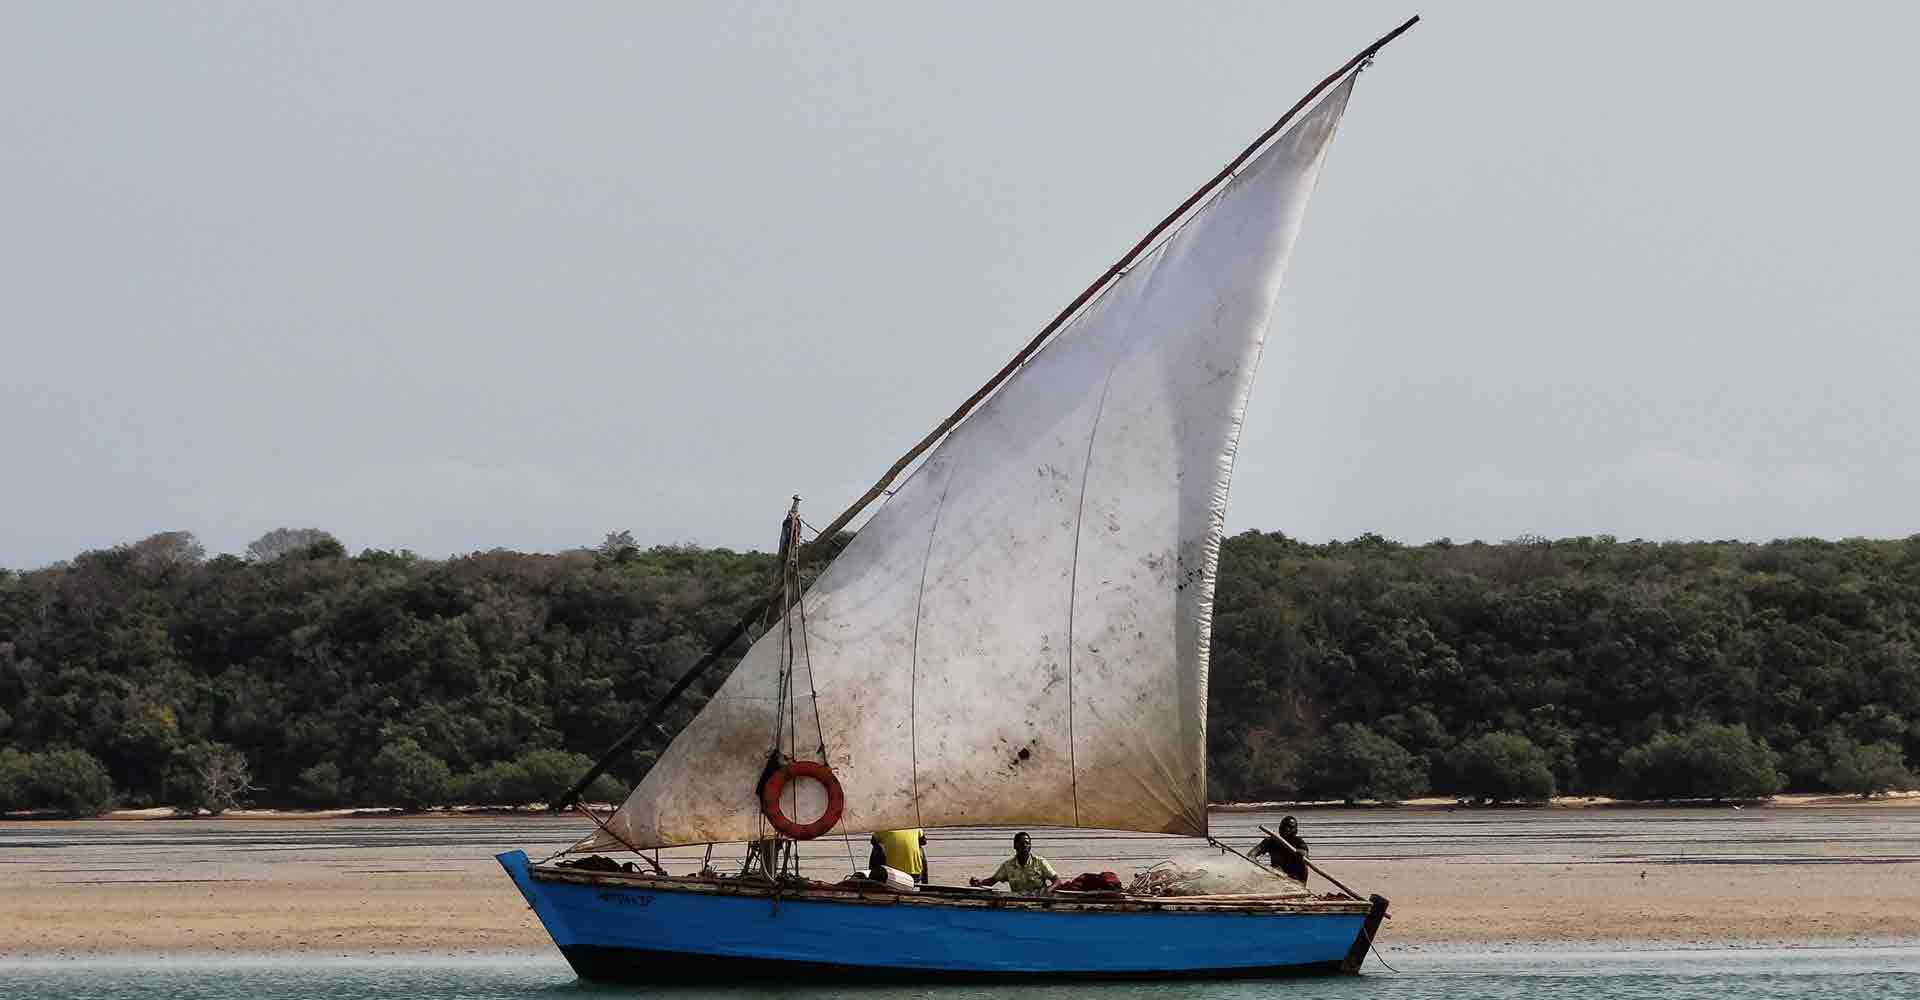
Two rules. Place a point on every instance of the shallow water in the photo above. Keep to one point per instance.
(1723, 974)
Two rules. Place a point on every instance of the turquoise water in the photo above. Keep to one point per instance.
(1812, 972)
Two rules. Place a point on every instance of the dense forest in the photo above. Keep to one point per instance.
(150, 675)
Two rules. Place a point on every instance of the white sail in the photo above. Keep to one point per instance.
(1020, 635)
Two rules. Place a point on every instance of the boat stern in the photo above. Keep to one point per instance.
(1363, 941)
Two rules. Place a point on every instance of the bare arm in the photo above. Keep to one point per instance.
(999, 875)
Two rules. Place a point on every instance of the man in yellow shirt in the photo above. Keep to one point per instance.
(1024, 872)
(904, 850)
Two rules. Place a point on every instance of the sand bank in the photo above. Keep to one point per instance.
(354, 885)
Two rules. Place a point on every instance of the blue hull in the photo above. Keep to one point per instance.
(654, 933)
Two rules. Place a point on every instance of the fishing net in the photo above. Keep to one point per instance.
(1208, 872)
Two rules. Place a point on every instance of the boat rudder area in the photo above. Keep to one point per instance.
(1357, 955)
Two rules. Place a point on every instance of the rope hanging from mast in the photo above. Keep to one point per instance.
(783, 762)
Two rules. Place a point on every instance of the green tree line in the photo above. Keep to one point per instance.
(1513, 671)
(150, 675)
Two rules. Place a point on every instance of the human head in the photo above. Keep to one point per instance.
(1022, 844)
(1289, 826)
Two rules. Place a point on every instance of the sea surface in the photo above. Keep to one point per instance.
(1826, 973)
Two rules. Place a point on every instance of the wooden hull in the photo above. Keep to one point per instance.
(630, 928)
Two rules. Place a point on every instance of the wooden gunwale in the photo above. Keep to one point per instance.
(828, 892)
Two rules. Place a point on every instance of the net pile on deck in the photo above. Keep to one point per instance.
(1212, 873)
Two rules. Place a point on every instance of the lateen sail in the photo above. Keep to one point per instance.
(1020, 635)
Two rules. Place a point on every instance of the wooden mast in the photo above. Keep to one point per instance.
(759, 610)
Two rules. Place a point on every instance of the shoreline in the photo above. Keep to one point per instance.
(1784, 800)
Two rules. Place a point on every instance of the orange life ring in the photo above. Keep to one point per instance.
(777, 782)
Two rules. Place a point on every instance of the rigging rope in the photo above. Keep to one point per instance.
(1376, 954)
(806, 655)
(786, 722)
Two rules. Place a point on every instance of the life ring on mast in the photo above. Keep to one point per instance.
(777, 782)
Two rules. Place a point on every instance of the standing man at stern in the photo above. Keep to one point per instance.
(1287, 852)
(1024, 872)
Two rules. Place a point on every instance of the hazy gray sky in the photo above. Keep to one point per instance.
(456, 276)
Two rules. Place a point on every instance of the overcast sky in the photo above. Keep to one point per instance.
(463, 276)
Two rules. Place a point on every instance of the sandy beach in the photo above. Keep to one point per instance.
(356, 885)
